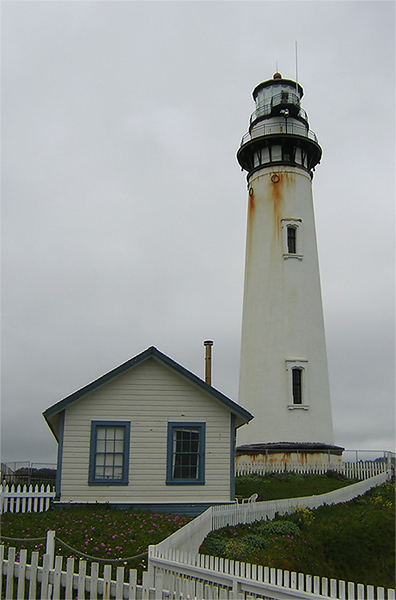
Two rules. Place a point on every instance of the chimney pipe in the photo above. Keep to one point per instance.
(208, 361)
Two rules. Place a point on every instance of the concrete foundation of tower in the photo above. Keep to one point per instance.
(292, 456)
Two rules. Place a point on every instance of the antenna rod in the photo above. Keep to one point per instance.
(295, 45)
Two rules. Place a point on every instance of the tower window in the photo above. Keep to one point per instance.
(292, 234)
(291, 240)
(298, 383)
(297, 386)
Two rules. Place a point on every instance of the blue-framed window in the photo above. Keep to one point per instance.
(109, 453)
(186, 453)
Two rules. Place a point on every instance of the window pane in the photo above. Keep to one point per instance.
(109, 459)
(109, 446)
(297, 386)
(117, 472)
(100, 458)
(195, 444)
(119, 446)
(99, 472)
(110, 433)
(108, 472)
(101, 433)
(118, 460)
(185, 458)
(291, 240)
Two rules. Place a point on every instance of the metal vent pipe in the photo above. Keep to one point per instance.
(208, 361)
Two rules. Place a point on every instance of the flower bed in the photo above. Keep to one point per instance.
(100, 532)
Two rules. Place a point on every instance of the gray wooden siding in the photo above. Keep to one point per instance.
(149, 396)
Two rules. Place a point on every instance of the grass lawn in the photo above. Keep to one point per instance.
(100, 532)
(275, 486)
(353, 541)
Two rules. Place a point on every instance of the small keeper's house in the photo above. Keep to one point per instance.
(148, 434)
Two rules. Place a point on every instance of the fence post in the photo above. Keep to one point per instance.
(145, 586)
(10, 574)
(150, 568)
(106, 582)
(50, 547)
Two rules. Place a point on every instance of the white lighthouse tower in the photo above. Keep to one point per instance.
(283, 375)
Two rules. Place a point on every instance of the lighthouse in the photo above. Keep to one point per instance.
(283, 372)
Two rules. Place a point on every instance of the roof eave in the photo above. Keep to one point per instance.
(244, 415)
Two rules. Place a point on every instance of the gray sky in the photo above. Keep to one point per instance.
(124, 209)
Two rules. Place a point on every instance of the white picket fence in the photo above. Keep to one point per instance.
(358, 470)
(223, 515)
(25, 498)
(363, 469)
(45, 581)
(202, 577)
(172, 575)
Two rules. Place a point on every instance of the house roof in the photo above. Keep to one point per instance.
(242, 415)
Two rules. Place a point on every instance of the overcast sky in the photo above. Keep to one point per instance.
(124, 209)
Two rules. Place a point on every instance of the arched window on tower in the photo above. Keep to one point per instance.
(297, 375)
(291, 239)
(298, 383)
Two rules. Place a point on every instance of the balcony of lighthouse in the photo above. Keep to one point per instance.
(271, 146)
(280, 126)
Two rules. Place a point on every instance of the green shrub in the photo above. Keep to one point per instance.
(254, 543)
(269, 528)
(243, 548)
(251, 479)
(236, 549)
(216, 546)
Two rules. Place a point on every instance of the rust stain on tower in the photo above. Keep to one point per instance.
(279, 183)
(277, 199)
(250, 223)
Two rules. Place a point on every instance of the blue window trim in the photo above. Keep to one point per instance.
(92, 480)
(170, 480)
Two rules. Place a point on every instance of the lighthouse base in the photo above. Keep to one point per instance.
(279, 457)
